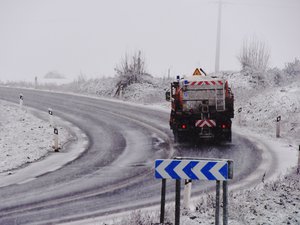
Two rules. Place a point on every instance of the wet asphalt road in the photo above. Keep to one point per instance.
(115, 173)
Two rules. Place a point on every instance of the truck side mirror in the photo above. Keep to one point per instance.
(168, 96)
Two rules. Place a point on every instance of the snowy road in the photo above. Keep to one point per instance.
(115, 173)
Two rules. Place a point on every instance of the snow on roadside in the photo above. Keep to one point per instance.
(262, 105)
(24, 138)
(276, 202)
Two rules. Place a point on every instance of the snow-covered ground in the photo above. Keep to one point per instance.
(24, 138)
(262, 105)
(275, 202)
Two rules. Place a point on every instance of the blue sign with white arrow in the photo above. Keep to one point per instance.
(191, 169)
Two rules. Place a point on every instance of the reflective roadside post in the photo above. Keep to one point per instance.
(50, 117)
(240, 116)
(187, 194)
(55, 140)
(35, 82)
(298, 169)
(21, 100)
(278, 119)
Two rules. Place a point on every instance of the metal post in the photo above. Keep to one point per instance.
(187, 194)
(163, 201)
(177, 203)
(217, 212)
(225, 202)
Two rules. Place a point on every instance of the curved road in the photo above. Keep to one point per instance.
(115, 173)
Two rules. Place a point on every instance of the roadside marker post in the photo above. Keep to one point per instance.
(50, 117)
(278, 119)
(35, 82)
(219, 170)
(21, 100)
(240, 116)
(55, 139)
(298, 169)
(187, 193)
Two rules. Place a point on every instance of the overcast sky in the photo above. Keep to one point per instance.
(91, 36)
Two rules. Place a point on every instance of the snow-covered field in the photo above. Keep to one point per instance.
(24, 138)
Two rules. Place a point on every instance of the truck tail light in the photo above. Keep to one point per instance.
(225, 125)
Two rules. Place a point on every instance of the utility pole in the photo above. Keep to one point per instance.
(217, 61)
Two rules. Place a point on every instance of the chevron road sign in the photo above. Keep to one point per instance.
(218, 170)
(191, 169)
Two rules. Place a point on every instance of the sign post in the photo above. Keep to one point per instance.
(278, 119)
(217, 212)
(195, 169)
(163, 201)
(177, 202)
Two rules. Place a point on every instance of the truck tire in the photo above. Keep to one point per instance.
(178, 137)
(229, 137)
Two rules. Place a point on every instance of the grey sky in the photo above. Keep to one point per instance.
(37, 36)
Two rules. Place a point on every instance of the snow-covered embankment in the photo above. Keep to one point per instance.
(24, 138)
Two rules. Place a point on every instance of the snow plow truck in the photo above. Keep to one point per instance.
(202, 108)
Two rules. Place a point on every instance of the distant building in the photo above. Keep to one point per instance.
(54, 75)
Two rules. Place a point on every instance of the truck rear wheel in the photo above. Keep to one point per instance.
(178, 137)
(229, 136)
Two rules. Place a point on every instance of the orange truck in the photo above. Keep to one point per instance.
(202, 108)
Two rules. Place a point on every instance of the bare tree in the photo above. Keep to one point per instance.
(130, 71)
(292, 69)
(254, 55)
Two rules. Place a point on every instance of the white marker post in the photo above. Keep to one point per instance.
(55, 139)
(21, 100)
(278, 119)
(121, 92)
(240, 116)
(187, 194)
(50, 117)
(35, 82)
(298, 169)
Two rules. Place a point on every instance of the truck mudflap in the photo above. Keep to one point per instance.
(205, 123)
(213, 129)
(194, 129)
